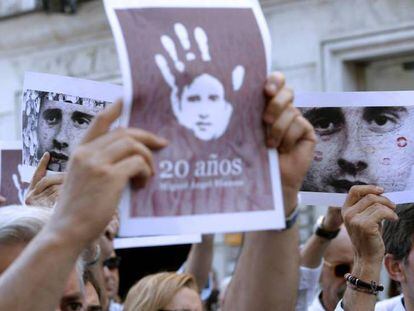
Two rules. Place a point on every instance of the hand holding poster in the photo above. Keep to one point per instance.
(363, 138)
(194, 73)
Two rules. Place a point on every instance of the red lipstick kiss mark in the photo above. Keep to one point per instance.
(401, 142)
(386, 161)
(318, 156)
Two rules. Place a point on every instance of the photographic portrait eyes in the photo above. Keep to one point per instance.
(194, 98)
(73, 306)
(326, 121)
(81, 120)
(52, 116)
(213, 97)
(197, 98)
(383, 119)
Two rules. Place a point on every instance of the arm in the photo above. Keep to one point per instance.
(314, 249)
(99, 169)
(311, 258)
(363, 212)
(47, 262)
(200, 259)
(263, 279)
(266, 276)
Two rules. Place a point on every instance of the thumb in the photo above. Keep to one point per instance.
(40, 171)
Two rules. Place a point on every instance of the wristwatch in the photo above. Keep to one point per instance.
(322, 232)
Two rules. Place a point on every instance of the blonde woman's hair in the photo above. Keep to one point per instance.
(155, 291)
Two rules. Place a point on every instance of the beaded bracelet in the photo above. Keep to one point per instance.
(356, 284)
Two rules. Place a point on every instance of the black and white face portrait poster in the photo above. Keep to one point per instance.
(56, 112)
(363, 138)
(195, 71)
(12, 187)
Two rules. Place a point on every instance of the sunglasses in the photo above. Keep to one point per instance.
(112, 262)
(339, 269)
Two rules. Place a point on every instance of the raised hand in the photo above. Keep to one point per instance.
(44, 189)
(291, 134)
(364, 210)
(99, 169)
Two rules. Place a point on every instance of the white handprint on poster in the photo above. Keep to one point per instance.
(194, 73)
(201, 105)
(11, 184)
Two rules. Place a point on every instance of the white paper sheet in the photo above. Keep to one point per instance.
(56, 113)
(363, 138)
(185, 34)
(152, 241)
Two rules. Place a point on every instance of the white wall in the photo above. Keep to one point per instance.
(299, 28)
(9, 7)
(82, 44)
(78, 45)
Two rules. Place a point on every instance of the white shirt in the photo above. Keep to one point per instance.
(316, 305)
(308, 289)
(392, 304)
(114, 306)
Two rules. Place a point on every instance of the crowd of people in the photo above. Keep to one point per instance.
(57, 251)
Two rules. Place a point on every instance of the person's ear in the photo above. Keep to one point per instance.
(394, 268)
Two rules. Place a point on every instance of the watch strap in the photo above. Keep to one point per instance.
(321, 232)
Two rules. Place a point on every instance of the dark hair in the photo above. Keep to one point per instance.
(397, 235)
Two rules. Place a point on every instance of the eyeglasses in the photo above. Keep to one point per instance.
(112, 262)
(340, 269)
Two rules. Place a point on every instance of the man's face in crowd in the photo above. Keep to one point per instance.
(203, 108)
(72, 298)
(407, 281)
(92, 298)
(361, 145)
(338, 259)
(111, 275)
(60, 129)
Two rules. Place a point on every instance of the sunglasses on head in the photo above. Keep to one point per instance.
(112, 262)
(340, 269)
